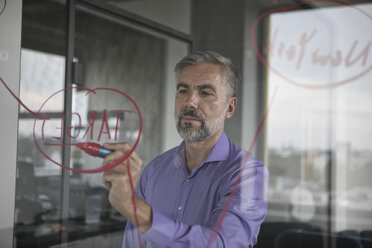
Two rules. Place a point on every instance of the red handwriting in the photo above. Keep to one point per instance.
(3, 7)
(111, 164)
(93, 119)
(16, 98)
(104, 130)
(134, 205)
(236, 183)
(290, 55)
(62, 144)
(92, 116)
(290, 52)
(300, 51)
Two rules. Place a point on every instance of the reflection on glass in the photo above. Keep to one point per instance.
(318, 140)
(28, 151)
(42, 75)
(117, 58)
(113, 56)
(38, 183)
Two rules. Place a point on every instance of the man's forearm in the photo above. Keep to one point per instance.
(143, 213)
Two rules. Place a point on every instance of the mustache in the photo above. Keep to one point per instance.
(191, 113)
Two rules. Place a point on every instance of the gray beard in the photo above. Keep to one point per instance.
(205, 131)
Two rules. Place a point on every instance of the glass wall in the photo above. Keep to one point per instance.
(318, 133)
(38, 183)
(120, 71)
(316, 148)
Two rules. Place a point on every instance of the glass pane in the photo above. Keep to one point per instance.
(318, 138)
(42, 75)
(121, 66)
(38, 184)
(128, 67)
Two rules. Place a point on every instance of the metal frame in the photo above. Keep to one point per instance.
(66, 151)
(138, 20)
(106, 9)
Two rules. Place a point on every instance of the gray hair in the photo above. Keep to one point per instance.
(230, 74)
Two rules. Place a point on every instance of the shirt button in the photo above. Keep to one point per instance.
(187, 180)
(179, 208)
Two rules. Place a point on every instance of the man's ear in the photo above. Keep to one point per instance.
(231, 109)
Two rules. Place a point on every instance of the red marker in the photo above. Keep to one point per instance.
(94, 149)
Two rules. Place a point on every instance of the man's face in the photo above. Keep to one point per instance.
(202, 102)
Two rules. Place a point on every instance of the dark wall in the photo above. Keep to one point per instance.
(218, 25)
(128, 60)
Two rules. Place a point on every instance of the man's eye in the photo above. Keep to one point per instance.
(183, 91)
(206, 93)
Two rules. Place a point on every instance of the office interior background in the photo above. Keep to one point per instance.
(307, 65)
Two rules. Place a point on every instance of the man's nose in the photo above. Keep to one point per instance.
(192, 100)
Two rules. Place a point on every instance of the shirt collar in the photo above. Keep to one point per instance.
(219, 152)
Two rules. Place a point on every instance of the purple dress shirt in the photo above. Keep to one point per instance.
(186, 207)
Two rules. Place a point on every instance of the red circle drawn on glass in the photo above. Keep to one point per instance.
(111, 164)
(292, 7)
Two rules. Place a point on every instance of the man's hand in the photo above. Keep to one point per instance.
(118, 182)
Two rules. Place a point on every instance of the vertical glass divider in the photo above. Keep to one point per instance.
(66, 152)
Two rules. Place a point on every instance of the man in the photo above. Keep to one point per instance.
(182, 193)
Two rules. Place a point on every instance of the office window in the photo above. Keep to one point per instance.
(319, 129)
(42, 74)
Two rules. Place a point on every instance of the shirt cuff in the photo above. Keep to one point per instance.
(161, 231)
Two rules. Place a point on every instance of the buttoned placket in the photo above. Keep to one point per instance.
(183, 195)
(148, 244)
